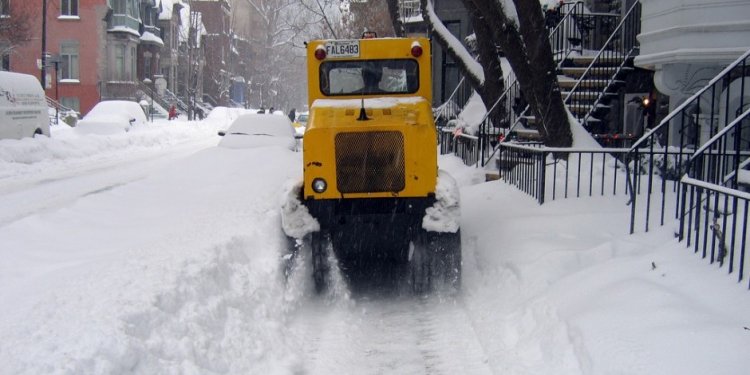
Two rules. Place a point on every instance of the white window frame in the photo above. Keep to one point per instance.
(66, 8)
(70, 62)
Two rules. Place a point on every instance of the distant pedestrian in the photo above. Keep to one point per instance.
(270, 111)
(292, 115)
(172, 112)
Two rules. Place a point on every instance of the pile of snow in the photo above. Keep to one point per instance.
(296, 220)
(445, 215)
(471, 115)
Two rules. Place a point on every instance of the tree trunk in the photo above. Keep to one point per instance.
(398, 27)
(528, 51)
(492, 86)
(494, 82)
(549, 105)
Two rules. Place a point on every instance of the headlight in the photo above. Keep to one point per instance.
(319, 185)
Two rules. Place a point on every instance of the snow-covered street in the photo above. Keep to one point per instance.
(157, 252)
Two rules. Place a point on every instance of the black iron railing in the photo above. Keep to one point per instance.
(551, 173)
(659, 158)
(452, 106)
(566, 35)
(464, 146)
(59, 108)
(714, 198)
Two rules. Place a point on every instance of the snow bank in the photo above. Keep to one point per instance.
(445, 215)
(471, 115)
(295, 218)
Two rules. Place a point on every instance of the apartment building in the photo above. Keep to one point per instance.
(219, 54)
(105, 49)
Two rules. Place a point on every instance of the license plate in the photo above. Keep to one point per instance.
(342, 48)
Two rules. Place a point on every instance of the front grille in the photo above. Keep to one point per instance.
(369, 162)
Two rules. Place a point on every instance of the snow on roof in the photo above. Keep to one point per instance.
(124, 29)
(150, 37)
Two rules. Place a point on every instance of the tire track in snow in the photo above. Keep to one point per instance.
(428, 335)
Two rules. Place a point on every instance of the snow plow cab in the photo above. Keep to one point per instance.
(370, 163)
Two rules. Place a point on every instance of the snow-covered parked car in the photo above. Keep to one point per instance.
(254, 130)
(112, 116)
(23, 108)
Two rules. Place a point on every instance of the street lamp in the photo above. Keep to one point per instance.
(147, 82)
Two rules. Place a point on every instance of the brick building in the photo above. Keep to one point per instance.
(96, 49)
(76, 40)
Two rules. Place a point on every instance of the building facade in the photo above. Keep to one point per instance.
(217, 44)
(76, 47)
(110, 49)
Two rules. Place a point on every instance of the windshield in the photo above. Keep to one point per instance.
(368, 77)
(302, 118)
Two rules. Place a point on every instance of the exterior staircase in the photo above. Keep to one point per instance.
(592, 67)
(57, 110)
(589, 81)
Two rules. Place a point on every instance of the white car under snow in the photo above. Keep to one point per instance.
(112, 116)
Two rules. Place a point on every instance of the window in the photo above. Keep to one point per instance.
(4, 8)
(369, 77)
(119, 62)
(133, 65)
(5, 61)
(69, 61)
(119, 6)
(71, 102)
(69, 7)
(146, 66)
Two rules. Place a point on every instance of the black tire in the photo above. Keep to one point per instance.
(448, 257)
(435, 262)
(420, 266)
(319, 242)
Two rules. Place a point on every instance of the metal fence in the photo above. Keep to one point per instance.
(548, 173)
(661, 155)
(714, 198)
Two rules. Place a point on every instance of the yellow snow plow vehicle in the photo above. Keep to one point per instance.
(371, 180)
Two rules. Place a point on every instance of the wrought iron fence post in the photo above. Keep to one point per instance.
(542, 176)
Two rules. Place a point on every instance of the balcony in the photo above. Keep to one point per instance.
(124, 23)
(152, 29)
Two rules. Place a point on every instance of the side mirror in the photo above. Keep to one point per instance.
(221, 133)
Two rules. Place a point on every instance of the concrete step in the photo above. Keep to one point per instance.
(577, 71)
(595, 84)
(585, 60)
(586, 95)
